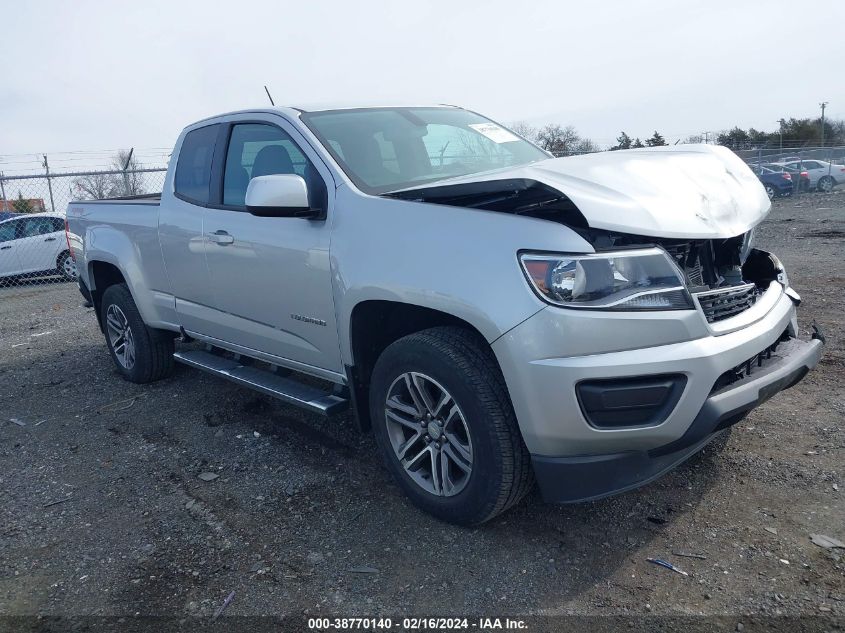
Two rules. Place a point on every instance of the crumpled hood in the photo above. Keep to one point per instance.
(688, 191)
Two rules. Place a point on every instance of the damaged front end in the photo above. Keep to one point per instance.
(698, 203)
(725, 277)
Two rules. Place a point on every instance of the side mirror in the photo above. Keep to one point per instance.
(279, 196)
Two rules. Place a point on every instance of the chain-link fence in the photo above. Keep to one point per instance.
(796, 170)
(33, 247)
(833, 155)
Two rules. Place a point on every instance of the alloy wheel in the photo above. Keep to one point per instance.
(429, 434)
(120, 336)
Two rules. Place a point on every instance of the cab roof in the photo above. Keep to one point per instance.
(295, 110)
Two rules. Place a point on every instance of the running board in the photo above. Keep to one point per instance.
(286, 389)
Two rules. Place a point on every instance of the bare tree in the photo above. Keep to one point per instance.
(585, 146)
(96, 186)
(474, 147)
(524, 130)
(99, 185)
(130, 183)
(557, 140)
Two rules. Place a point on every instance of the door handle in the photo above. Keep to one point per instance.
(5, 248)
(220, 237)
(50, 239)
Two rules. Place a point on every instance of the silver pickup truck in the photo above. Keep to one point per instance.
(496, 316)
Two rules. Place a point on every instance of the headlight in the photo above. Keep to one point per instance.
(642, 279)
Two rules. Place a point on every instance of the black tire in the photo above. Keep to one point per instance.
(66, 266)
(153, 349)
(465, 366)
(826, 184)
(771, 192)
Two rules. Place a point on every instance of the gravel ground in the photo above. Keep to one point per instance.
(102, 511)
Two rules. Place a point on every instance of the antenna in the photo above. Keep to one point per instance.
(272, 103)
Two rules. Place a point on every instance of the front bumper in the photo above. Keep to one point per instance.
(582, 478)
(547, 357)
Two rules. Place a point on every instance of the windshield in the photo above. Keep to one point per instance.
(386, 149)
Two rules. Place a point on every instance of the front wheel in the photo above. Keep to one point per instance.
(446, 428)
(826, 184)
(66, 266)
(141, 354)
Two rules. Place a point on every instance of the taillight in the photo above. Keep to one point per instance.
(787, 176)
(67, 239)
(806, 174)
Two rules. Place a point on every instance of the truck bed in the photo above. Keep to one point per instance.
(144, 198)
(120, 231)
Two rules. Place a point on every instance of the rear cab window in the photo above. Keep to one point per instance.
(193, 169)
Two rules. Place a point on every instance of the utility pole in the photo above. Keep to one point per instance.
(126, 191)
(49, 184)
(823, 105)
(780, 130)
(2, 188)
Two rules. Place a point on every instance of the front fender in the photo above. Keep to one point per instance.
(459, 261)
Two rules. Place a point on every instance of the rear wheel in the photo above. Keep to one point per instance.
(141, 354)
(446, 428)
(66, 266)
(771, 192)
(826, 184)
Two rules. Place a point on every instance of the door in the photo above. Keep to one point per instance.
(40, 243)
(814, 170)
(180, 228)
(271, 276)
(9, 262)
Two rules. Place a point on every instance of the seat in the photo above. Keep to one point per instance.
(364, 152)
(272, 159)
(275, 159)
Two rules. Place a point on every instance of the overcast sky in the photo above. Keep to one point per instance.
(103, 75)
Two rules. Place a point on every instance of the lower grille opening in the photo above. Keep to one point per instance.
(747, 368)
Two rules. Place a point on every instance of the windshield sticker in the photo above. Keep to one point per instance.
(494, 132)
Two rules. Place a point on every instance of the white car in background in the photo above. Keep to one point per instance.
(823, 176)
(35, 243)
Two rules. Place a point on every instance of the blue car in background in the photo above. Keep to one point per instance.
(5, 215)
(776, 183)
